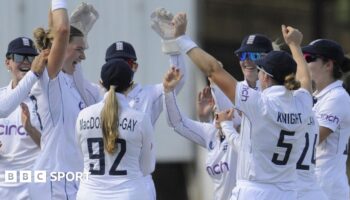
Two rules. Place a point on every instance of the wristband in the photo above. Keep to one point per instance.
(185, 43)
(170, 47)
(57, 4)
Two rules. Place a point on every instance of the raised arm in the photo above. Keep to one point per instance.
(12, 100)
(59, 25)
(204, 61)
(293, 37)
(195, 131)
(162, 24)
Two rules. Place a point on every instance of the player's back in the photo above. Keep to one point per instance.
(119, 174)
(270, 149)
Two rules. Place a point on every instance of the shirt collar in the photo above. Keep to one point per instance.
(275, 90)
(329, 87)
(122, 101)
(135, 90)
(257, 85)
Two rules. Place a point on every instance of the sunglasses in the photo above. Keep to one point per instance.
(21, 58)
(131, 62)
(253, 56)
(310, 58)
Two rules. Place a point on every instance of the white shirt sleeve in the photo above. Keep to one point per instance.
(48, 92)
(157, 103)
(148, 155)
(197, 132)
(179, 61)
(331, 113)
(222, 102)
(12, 99)
(230, 133)
(248, 100)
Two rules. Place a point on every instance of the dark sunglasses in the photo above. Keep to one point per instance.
(311, 58)
(253, 56)
(131, 62)
(21, 58)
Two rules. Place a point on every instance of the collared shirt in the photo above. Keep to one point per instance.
(278, 117)
(134, 157)
(18, 150)
(333, 111)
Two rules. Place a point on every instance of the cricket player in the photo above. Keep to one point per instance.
(116, 141)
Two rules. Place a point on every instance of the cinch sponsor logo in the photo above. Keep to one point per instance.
(330, 118)
(218, 168)
(244, 94)
(41, 176)
(12, 130)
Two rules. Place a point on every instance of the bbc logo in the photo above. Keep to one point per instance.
(43, 176)
(25, 176)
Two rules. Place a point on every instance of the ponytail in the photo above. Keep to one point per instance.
(291, 83)
(110, 121)
(43, 38)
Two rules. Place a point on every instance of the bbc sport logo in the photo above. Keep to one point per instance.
(43, 176)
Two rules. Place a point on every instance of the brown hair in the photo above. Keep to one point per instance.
(291, 83)
(43, 38)
(74, 32)
(110, 121)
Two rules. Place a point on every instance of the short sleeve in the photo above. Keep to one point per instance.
(330, 114)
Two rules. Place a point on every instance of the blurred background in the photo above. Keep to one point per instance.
(218, 26)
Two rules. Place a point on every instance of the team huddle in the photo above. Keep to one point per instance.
(282, 133)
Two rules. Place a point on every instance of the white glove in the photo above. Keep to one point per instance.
(162, 23)
(84, 17)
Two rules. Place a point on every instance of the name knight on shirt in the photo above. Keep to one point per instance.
(289, 118)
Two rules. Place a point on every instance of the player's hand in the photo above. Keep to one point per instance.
(40, 61)
(25, 117)
(205, 104)
(292, 36)
(226, 115)
(171, 79)
(180, 23)
(161, 23)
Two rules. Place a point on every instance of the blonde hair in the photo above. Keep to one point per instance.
(110, 121)
(291, 83)
(43, 38)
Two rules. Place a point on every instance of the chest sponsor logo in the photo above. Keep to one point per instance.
(218, 168)
(12, 130)
(244, 93)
